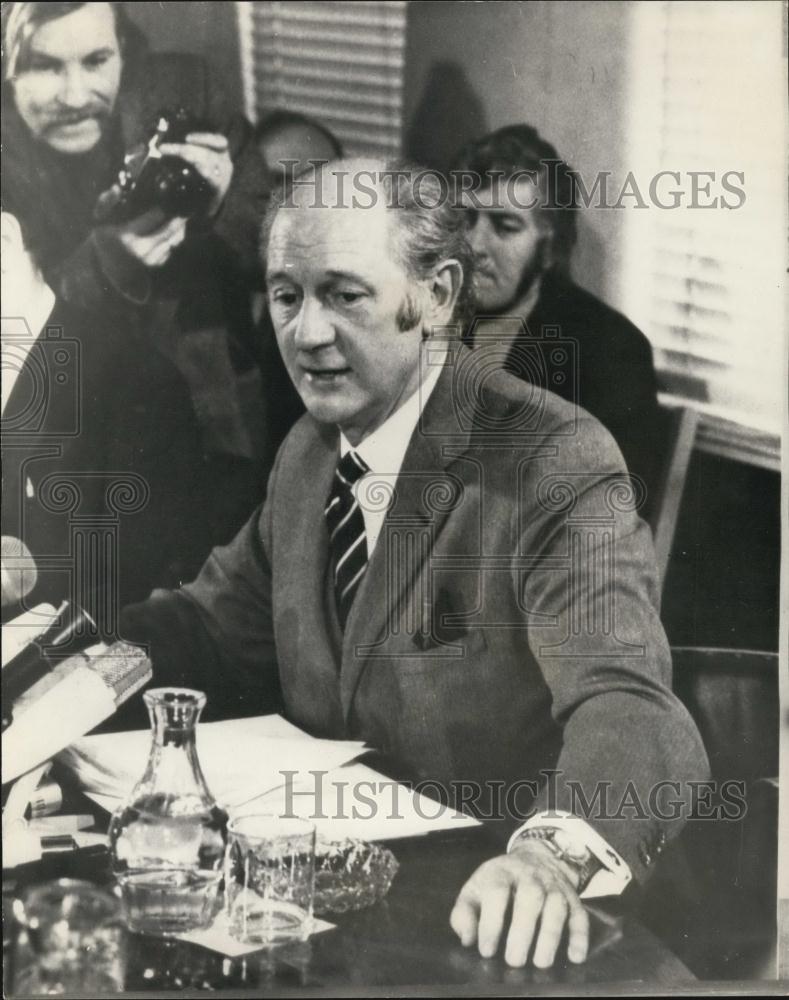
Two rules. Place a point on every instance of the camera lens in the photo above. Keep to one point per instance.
(179, 188)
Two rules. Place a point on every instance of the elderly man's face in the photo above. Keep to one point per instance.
(508, 244)
(69, 83)
(335, 289)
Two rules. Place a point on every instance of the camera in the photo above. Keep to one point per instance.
(150, 179)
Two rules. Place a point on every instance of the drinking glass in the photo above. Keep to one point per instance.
(72, 940)
(269, 879)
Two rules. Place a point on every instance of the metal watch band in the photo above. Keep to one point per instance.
(547, 834)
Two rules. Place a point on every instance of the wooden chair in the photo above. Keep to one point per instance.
(680, 436)
(732, 695)
(724, 925)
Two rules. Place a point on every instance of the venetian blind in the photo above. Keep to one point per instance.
(708, 94)
(340, 62)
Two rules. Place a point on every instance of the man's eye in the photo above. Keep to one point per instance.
(98, 60)
(507, 226)
(284, 298)
(42, 66)
(350, 298)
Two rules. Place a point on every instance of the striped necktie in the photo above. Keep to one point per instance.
(347, 536)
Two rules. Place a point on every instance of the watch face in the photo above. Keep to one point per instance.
(573, 847)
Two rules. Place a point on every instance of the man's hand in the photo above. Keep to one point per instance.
(150, 238)
(209, 154)
(542, 889)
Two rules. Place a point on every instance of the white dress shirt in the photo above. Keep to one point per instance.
(383, 452)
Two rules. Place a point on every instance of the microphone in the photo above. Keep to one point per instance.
(87, 689)
(18, 572)
(73, 627)
(23, 629)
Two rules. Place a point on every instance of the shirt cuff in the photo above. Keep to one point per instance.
(612, 878)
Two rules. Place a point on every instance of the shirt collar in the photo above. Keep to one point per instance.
(37, 311)
(18, 341)
(384, 450)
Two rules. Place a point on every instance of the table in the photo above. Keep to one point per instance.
(400, 945)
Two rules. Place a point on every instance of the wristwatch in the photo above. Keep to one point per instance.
(568, 848)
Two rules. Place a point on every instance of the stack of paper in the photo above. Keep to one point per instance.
(266, 764)
(240, 758)
(356, 801)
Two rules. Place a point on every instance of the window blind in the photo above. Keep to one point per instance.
(340, 62)
(707, 94)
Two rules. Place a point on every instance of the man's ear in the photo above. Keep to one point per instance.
(443, 291)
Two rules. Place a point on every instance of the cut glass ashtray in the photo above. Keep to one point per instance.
(351, 874)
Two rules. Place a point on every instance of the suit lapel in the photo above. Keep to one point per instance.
(302, 539)
(389, 580)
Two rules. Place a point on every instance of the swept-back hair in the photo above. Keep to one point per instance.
(517, 148)
(430, 227)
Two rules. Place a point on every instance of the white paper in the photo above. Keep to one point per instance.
(77, 703)
(356, 801)
(217, 937)
(240, 758)
(248, 765)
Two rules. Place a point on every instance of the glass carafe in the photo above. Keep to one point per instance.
(168, 839)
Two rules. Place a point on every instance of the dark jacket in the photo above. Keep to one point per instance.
(610, 372)
(103, 476)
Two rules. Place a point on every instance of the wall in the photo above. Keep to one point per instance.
(205, 27)
(558, 65)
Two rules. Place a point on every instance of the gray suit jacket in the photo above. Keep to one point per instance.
(507, 622)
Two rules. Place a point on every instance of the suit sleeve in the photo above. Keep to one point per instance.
(629, 746)
(238, 222)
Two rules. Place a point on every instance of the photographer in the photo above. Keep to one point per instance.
(79, 92)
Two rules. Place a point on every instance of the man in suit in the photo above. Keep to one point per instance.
(448, 565)
(522, 228)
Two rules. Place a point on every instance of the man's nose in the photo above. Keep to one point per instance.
(477, 237)
(315, 328)
(74, 88)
